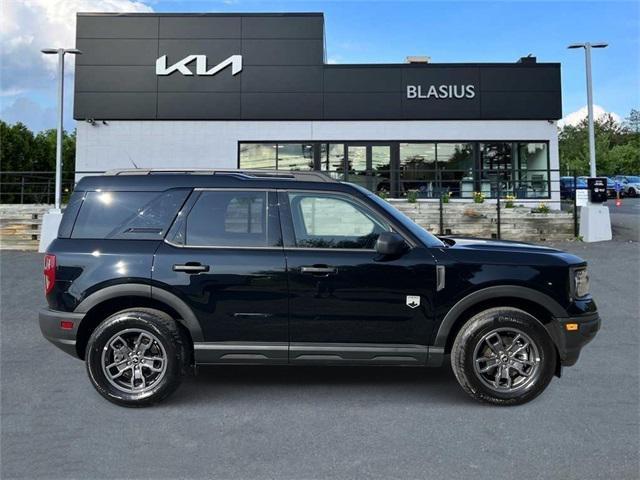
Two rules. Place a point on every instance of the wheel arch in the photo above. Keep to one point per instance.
(544, 308)
(112, 299)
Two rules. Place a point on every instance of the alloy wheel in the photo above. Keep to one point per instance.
(506, 360)
(134, 361)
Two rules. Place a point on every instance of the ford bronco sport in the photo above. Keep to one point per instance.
(155, 272)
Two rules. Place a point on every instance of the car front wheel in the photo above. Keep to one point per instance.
(136, 357)
(503, 356)
(632, 192)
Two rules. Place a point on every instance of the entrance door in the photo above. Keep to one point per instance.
(369, 166)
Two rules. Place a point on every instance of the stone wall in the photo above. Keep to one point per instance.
(20, 226)
(481, 220)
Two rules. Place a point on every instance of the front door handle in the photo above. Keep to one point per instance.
(191, 267)
(319, 270)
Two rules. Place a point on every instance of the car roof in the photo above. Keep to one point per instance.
(159, 180)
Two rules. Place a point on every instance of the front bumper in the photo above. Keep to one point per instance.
(64, 339)
(570, 342)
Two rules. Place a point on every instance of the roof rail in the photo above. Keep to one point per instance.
(312, 176)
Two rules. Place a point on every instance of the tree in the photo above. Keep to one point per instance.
(35, 155)
(617, 146)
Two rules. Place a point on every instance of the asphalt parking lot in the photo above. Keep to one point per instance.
(317, 423)
(625, 219)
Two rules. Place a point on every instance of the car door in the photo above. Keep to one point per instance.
(348, 304)
(223, 257)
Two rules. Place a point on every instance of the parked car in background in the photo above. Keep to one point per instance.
(567, 187)
(630, 185)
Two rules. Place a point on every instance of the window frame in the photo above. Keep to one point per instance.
(271, 206)
(288, 230)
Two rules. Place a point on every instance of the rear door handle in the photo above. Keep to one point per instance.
(191, 267)
(319, 270)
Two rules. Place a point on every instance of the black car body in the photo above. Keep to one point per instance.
(294, 268)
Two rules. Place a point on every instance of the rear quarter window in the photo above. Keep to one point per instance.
(128, 215)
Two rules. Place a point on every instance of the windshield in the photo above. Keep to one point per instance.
(424, 236)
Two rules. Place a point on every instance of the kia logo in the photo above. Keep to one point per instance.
(201, 65)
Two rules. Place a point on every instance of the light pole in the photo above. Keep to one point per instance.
(60, 52)
(592, 138)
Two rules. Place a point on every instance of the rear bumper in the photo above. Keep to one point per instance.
(571, 342)
(64, 339)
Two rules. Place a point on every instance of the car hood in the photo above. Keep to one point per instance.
(491, 244)
(505, 249)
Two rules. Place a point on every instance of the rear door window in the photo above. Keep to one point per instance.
(128, 215)
(231, 219)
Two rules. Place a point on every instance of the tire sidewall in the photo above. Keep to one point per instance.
(117, 323)
(506, 318)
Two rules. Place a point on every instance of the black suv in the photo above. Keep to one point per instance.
(155, 272)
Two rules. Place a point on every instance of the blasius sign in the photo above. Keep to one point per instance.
(441, 91)
(201, 65)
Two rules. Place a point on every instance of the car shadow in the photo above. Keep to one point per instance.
(398, 384)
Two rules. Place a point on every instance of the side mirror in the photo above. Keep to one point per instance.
(390, 243)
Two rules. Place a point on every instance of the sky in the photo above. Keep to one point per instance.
(358, 32)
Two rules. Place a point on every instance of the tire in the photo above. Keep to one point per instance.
(474, 342)
(632, 192)
(136, 339)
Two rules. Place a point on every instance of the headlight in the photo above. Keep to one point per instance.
(580, 282)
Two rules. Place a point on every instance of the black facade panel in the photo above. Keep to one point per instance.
(283, 75)
(114, 78)
(117, 26)
(281, 79)
(190, 26)
(282, 52)
(222, 82)
(281, 106)
(427, 75)
(115, 106)
(215, 50)
(521, 106)
(441, 109)
(362, 106)
(362, 79)
(288, 26)
(100, 51)
(175, 106)
(520, 79)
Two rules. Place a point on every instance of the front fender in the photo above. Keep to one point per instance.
(488, 293)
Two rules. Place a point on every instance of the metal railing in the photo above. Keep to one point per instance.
(497, 190)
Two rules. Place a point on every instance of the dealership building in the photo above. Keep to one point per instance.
(254, 91)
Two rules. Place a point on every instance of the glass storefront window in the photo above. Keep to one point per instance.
(258, 155)
(333, 160)
(533, 170)
(455, 163)
(497, 165)
(417, 169)
(431, 168)
(380, 168)
(295, 156)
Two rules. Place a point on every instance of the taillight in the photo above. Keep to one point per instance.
(49, 273)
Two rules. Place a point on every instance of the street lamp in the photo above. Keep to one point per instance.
(592, 139)
(60, 52)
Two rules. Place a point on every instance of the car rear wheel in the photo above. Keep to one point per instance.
(136, 357)
(503, 356)
(632, 192)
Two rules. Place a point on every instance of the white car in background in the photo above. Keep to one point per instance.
(630, 185)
